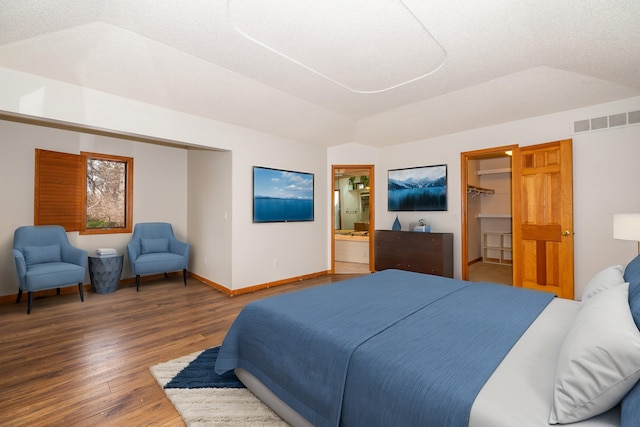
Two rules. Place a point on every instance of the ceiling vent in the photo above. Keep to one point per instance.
(605, 122)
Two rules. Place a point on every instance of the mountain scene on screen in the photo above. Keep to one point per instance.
(421, 189)
(409, 183)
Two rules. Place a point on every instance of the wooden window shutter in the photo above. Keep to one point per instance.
(58, 189)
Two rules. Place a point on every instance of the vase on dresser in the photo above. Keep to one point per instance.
(396, 224)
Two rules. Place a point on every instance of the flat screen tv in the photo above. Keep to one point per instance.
(282, 195)
(421, 188)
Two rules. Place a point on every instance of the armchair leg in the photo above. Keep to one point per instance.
(57, 291)
(19, 296)
(165, 275)
(137, 282)
(184, 276)
(30, 302)
(81, 292)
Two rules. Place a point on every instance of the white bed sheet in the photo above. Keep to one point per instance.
(520, 391)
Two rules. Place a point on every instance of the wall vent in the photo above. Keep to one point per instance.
(599, 123)
(581, 126)
(604, 122)
(618, 120)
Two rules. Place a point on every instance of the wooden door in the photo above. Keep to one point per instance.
(543, 217)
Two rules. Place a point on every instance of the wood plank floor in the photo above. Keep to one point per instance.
(87, 364)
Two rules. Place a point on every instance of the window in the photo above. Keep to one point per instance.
(91, 193)
(109, 186)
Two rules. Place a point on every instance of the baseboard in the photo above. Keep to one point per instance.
(131, 281)
(73, 289)
(249, 289)
(473, 261)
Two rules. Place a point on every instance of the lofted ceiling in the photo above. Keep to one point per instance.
(327, 81)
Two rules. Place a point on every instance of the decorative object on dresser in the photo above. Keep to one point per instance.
(396, 225)
(422, 227)
(430, 253)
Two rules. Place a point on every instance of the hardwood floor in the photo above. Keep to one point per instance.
(486, 272)
(351, 268)
(87, 364)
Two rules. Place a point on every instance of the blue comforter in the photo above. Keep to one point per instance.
(393, 348)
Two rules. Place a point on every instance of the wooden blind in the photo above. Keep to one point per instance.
(58, 189)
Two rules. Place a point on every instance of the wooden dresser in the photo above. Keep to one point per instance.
(430, 253)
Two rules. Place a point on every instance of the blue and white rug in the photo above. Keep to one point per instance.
(204, 398)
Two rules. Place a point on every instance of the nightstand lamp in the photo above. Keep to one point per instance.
(627, 227)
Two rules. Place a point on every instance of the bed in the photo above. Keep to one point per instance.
(403, 348)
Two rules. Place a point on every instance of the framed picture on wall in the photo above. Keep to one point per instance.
(282, 195)
(421, 188)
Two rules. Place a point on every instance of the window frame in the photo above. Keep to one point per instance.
(128, 217)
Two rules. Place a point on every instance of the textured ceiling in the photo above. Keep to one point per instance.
(505, 60)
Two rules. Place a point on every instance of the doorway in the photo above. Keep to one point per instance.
(487, 203)
(352, 236)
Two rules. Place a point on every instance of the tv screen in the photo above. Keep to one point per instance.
(421, 188)
(282, 195)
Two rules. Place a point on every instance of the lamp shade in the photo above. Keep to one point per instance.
(626, 226)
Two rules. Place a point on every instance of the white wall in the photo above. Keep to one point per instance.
(268, 252)
(210, 214)
(304, 248)
(605, 178)
(160, 179)
(299, 248)
(227, 247)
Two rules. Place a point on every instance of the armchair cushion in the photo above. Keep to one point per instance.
(54, 274)
(149, 246)
(159, 262)
(42, 254)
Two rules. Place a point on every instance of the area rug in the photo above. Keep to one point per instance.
(204, 398)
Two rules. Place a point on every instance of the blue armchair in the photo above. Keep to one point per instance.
(154, 249)
(46, 260)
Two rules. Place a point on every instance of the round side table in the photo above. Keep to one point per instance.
(105, 273)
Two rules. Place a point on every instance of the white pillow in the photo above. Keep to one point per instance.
(605, 279)
(599, 360)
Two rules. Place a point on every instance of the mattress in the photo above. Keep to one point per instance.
(332, 351)
(518, 393)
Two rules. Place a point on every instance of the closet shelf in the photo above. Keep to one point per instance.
(476, 191)
(492, 171)
(493, 215)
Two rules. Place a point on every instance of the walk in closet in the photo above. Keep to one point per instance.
(489, 211)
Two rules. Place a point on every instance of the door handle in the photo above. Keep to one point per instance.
(566, 232)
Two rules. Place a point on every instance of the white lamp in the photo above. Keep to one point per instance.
(627, 227)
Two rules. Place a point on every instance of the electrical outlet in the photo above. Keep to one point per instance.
(276, 262)
(205, 260)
